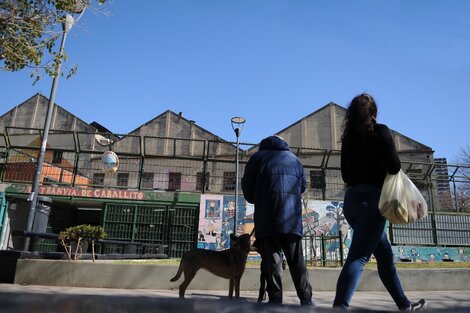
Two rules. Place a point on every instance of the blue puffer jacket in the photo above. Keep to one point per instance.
(274, 181)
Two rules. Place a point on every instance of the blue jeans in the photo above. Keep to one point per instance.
(363, 215)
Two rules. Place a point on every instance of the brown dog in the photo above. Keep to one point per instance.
(229, 264)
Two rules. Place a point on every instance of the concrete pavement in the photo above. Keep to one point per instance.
(74, 287)
(34, 298)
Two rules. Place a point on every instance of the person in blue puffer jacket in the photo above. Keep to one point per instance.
(274, 181)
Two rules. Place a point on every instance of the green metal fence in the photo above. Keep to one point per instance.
(207, 166)
(45, 244)
(436, 229)
(323, 250)
(174, 225)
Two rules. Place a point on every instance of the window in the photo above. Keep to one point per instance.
(413, 171)
(57, 157)
(174, 181)
(49, 181)
(202, 180)
(317, 179)
(98, 179)
(122, 179)
(147, 181)
(229, 181)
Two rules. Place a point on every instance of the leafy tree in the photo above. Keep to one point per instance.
(29, 32)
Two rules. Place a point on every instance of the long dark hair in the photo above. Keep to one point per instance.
(360, 117)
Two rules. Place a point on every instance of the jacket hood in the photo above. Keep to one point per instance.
(273, 143)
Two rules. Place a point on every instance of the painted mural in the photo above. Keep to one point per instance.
(217, 212)
(210, 222)
(324, 220)
(431, 254)
(321, 220)
(216, 218)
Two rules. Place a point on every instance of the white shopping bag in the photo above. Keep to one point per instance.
(400, 200)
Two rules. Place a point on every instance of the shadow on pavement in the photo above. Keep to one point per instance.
(61, 303)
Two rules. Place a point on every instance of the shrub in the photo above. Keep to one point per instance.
(76, 235)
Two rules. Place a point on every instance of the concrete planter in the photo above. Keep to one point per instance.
(105, 274)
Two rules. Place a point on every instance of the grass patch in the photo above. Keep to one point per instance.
(171, 262)
(158, 262)
(418, 265)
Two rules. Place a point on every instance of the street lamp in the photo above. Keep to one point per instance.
(77, 7)
(237, 123)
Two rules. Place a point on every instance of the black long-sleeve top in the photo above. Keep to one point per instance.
(366, 161)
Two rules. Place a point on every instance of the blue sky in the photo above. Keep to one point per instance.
(270, 61)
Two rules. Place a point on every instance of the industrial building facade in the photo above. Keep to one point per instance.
(166, 167)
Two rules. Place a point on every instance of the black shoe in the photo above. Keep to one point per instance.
(307, 303)
(416, 306)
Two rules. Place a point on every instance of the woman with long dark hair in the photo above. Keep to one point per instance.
(367, 154)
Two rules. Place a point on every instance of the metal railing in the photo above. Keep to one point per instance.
(208, 166)
(436, 229)
(324, 251)
(205, 166)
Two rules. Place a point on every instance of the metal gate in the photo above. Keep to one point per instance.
(323, 250)
(173, 225)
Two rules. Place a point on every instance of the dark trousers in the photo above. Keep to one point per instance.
(262, 282)
(291, 245)
(363, 215)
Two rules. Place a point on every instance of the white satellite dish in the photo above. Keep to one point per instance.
(102, 140)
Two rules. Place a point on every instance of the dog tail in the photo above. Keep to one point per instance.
(180, 271)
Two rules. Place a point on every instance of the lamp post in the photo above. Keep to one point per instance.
(78, 7)
(237, 123)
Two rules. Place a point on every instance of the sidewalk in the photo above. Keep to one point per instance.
(34, 298)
